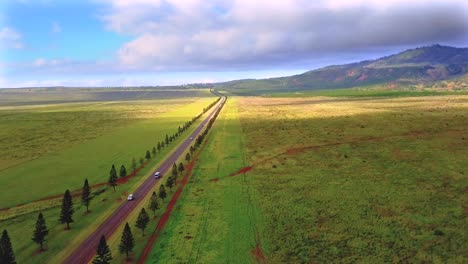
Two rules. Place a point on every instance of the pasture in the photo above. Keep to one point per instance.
(47, 149)
(368, 181)
(104, 202)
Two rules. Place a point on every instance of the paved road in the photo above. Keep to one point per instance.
(86, 251)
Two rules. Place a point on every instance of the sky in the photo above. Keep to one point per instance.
(166, 42)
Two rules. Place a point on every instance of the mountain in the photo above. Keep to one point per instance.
(415, 66)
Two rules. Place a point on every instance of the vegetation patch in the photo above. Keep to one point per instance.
(378, 180)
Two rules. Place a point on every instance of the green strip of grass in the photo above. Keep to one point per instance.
(216, 220)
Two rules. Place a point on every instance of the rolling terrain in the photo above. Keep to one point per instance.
(424, 65)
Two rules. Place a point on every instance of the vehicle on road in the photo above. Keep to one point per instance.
(191, 138)
(130, 197)
(157, 175)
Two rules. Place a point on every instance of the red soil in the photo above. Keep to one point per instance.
(242, 171)
(257, 251)
(258, 254)
(214, 179)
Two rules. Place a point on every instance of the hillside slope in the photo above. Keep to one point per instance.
(415, 66)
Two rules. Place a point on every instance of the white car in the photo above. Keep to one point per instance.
(157, 175)
(191, 138)
(130, 197)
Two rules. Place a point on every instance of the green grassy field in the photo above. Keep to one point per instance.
(35, 96)
(20, 227)
(367, 181)
(366, 92)
(84, 140)
(216, 219)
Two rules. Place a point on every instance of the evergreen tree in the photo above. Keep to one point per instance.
(85, 195)
(126, 242)
(142, 220)
(181, 167)
(153, 203)
(159, 146)
(142, 161)
(162, 144)
(187, 157)
(167, 139)
(162, 192)
(67, 209)
(103, 253)
(148, 155)
(134, 166)
(123, 171)
(170, 182)
(174, 170)
(7, 256)
(40, 232)
(113, 177)
(153, 151)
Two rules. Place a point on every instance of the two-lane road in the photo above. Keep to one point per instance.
(87, 249)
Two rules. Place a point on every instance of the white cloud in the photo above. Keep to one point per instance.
(197, 34)
(10, 38)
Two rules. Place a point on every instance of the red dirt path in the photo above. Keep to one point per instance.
(257, 251)
(242, 171)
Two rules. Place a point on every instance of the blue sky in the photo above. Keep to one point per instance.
(160, 42)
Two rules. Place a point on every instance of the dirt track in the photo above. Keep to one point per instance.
(84, 252)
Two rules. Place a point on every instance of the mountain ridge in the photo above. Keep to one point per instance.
(410, 67)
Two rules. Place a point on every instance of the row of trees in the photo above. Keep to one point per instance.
(155, 149)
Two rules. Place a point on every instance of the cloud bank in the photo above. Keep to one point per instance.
(239, 34)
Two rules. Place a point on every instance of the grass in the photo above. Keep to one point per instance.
(367, 92)
(20, 227)
(44, 96)
(94, 153)
(215, 220)
(368, 181)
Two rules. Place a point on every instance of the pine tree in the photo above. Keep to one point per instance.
(162, 192)
(148, 155)
(126, 242)
(7, 256)
(40, 232)
(153, 203)
(159, 146)
(153, 151)
(181, 167)
(142, 220)
(103, 253)
(67, 209)
(113, 177)
(142, 161)
(170, 182)
(85, 195)
(187, 157)
(174, 170)
(123, 171)
(167, 139)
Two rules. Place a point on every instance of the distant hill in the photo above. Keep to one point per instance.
(423, 65)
